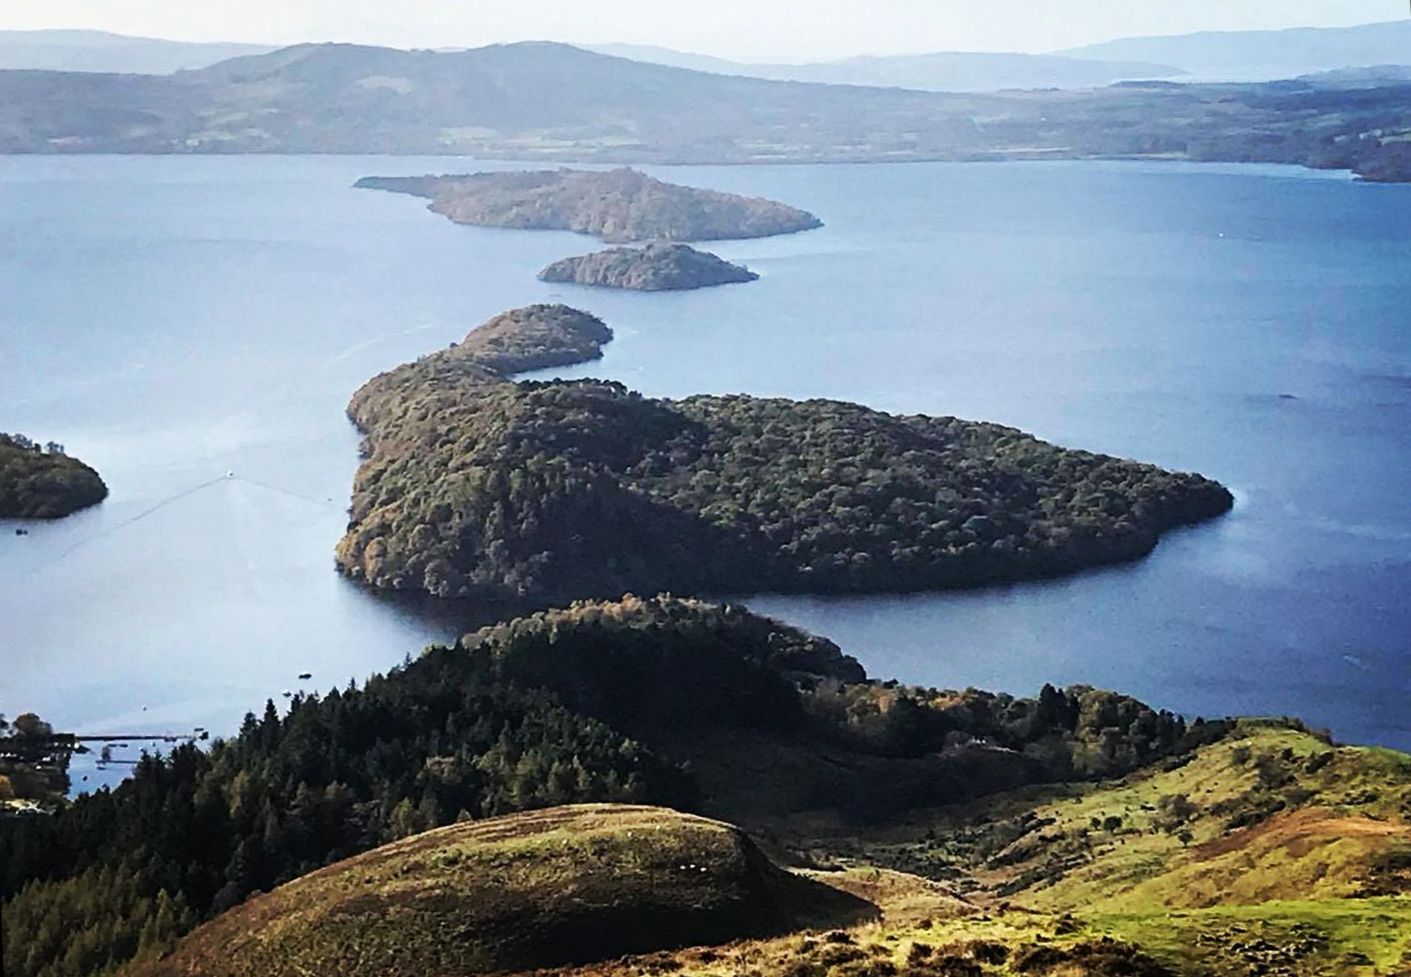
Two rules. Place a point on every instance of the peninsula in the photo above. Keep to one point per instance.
(618, 206)
(474, 485)
(42, 482)
(655, 268)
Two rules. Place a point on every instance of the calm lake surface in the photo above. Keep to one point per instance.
(194, 327)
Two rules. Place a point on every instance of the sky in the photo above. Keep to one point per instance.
(755, 29)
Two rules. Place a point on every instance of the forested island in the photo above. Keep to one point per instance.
(535, 337)
(43, 482)
(977, 826)
(619, 206)
(474, 485)
(654, 268)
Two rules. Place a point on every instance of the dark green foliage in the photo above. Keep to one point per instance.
(619, 205)
(1092, 734)
(1388, 163)
(445, 737)
(655, 268)
(483, 487)
(514, 718)
(91, 923)
(1390, 873)
(34, 764)
(716, 687)
(1099, 958)
(41, 482)
(668, 664)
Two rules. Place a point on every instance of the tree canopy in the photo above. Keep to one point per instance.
(478, 486)
(582, 704)
(42, 482)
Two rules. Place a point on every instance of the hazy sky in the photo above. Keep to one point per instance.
(784, 29)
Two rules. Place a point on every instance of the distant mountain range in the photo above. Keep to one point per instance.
(1230, 56)
(945, 71)
(554, 102)
(101, 51)
(1265, 55)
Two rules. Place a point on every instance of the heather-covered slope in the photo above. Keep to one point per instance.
(553, 887)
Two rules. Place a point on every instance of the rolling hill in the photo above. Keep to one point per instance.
(1264, 55)
(555, 102)
(1183, 868)
(941, 71)
(100, 51)
(963, 833)
(560, 886)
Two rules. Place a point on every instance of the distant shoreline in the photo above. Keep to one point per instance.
(1342, 174)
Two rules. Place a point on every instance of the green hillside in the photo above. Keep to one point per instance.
(1078, 832)
(560, 886)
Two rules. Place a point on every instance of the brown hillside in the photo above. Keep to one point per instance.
(561, 886)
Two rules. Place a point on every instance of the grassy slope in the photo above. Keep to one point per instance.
(1320, 845)
(1320, 886)
(514, 893)
(1306, 892)
(1280, 897)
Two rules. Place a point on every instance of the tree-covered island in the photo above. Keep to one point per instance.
(475, 485)
(655, 268)
(618, 206)
(43, 482)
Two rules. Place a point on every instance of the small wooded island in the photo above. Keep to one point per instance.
(42, 482)
(619, 206)
(476, 485)
(654, 268)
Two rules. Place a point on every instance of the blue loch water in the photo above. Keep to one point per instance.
(194, 327)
